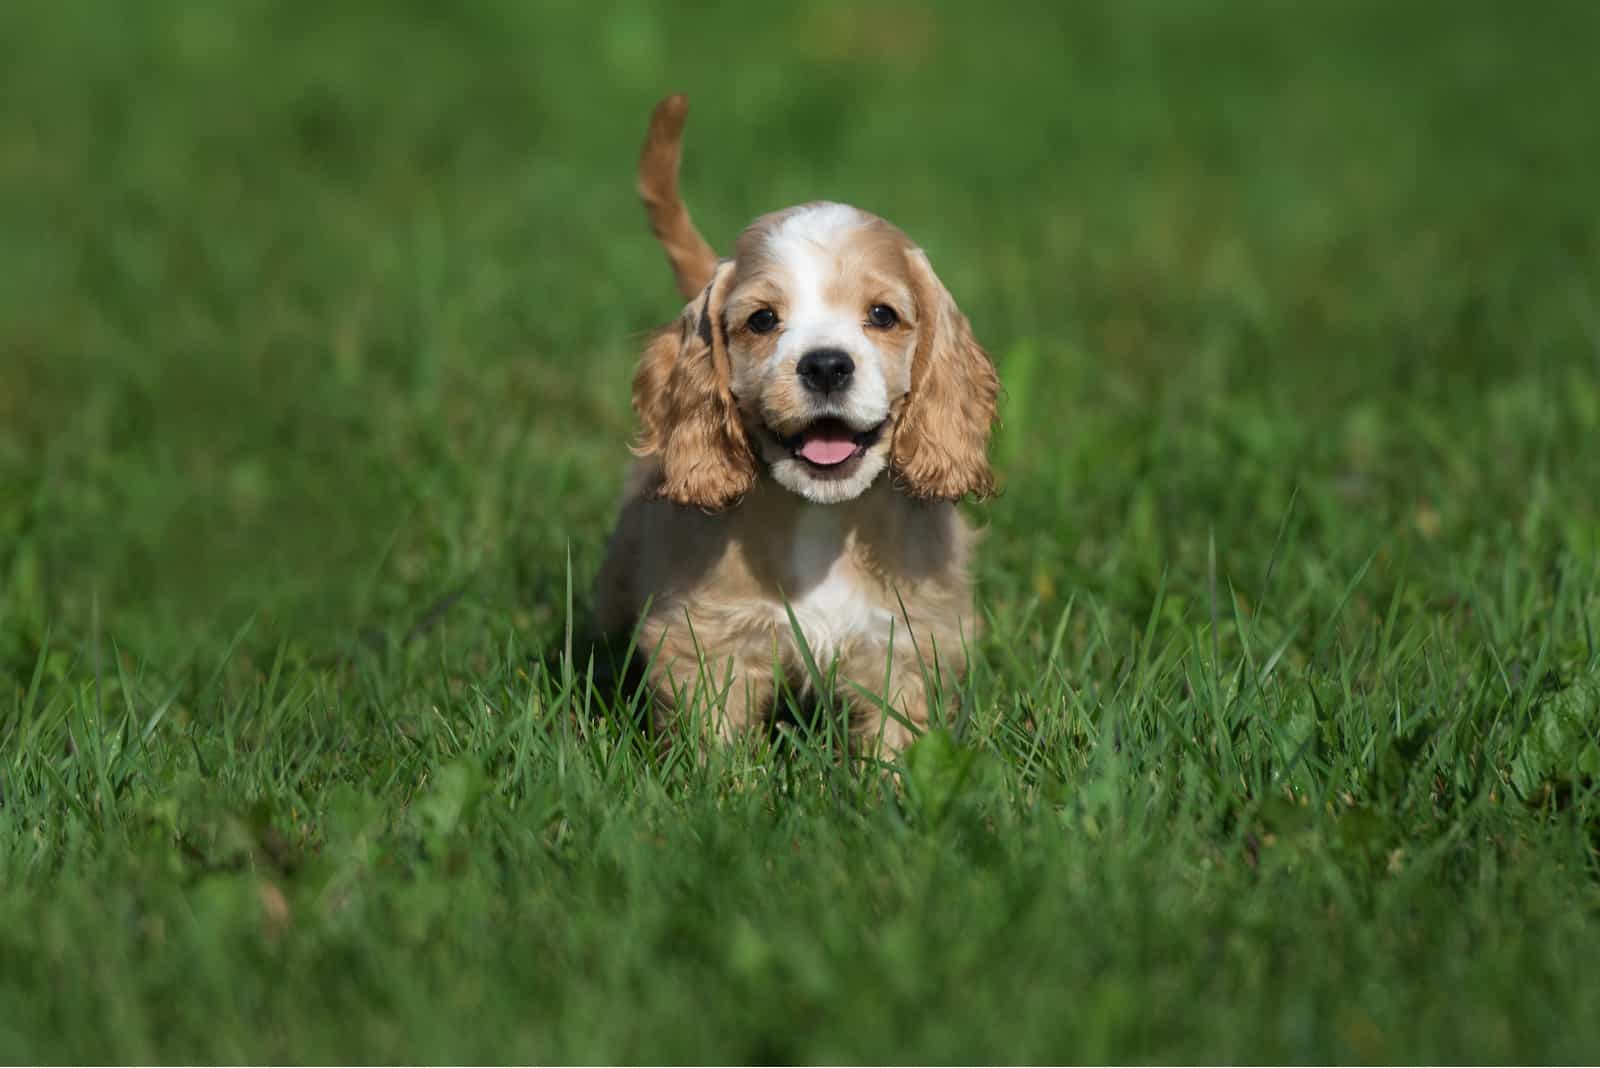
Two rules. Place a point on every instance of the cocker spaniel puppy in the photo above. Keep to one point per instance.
(806, 427)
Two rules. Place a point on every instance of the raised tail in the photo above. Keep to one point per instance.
(693, 261)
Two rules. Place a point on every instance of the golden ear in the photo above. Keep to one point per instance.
(686, 410)
(941, 442)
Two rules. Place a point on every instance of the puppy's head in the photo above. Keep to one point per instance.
(826, 351)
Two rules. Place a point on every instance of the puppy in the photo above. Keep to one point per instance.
(806, 427)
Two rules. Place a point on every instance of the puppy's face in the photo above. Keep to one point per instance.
(821, 319)
(824, 352)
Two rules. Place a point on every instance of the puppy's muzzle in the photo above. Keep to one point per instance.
(826, 370)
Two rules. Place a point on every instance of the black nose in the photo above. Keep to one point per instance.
(826, 370)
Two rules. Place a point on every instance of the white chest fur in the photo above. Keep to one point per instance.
(835, 602)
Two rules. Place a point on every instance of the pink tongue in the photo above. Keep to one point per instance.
(827, 447)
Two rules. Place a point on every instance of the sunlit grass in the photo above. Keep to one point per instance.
(1282, 739)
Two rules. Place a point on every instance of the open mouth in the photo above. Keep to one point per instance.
(830, 444)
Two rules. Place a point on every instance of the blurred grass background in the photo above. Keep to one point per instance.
(316, 324)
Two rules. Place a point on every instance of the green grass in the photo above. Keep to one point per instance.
(316, 324)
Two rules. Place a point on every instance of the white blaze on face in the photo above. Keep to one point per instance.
(807, 245)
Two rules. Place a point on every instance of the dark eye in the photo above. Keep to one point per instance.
(762, 321)
(882, 316)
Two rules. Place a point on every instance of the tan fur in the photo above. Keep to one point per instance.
(718, 585)
(941, 445)
(724, 530)
(686, 413)
(692, 259)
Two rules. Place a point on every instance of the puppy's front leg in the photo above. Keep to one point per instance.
(714, 696)
(711, 705)
(876, 730)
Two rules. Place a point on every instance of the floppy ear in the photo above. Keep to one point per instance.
(686, 411)
(942, 439)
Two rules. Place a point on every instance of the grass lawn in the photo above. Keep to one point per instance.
(316, 328)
